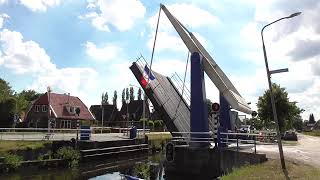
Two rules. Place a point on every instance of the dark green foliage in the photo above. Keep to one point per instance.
(287, 111)
(104, 98)
(123, 96)
(311, 119)
(139, 94)
(209, 104)
(7, 109)
(5, 90)
(13, 161)
(151, 124)
(69, 154)
(131, 94)
(158, 125)
(127, 94)
(114, 99)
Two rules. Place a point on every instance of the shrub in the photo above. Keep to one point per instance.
(13, 161)
(151, 124)
(69, 154)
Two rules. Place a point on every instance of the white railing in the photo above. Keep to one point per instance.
(239, 140)
(185, 138)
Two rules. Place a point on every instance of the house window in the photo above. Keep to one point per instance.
(37, 108)
(65, 124)
(71, 110)
(44, 108)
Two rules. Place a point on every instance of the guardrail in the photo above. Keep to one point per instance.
(59, 134)
(185, 138)
(246, 139)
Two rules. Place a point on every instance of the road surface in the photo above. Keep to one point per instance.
(306, 150)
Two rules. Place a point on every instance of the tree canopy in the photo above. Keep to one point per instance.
(139, 94)
(12, 103)
(104, 98)
(288, 113)
(311, 119)
(114, 99)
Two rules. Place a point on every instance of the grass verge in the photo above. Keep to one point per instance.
(312, 133)
(272, 170)
(6, 146)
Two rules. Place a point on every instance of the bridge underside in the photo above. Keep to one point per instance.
(167, 100)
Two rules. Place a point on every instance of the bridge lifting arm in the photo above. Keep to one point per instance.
(211, 68)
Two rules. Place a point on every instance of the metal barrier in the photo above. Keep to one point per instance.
(245, 139)
(185, 138)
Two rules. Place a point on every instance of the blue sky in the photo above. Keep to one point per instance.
(86, 47)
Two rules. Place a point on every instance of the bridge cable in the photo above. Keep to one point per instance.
(183, 85)
(154, 44)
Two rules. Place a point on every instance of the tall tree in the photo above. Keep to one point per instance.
(114, 99)
(311, 119)
(105, 98)
(30, 95)
(7, 110)
(131, 94)
(139, 94)
(127, 94)
(123, 96)
(287, 111)
(5, 90)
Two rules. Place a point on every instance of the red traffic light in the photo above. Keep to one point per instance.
(215, 107)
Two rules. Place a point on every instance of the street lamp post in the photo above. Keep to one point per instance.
(275, 117)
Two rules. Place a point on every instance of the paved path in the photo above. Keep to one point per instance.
(307, 150)
(60, 136)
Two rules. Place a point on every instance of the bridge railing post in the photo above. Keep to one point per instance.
(255, 145)
(237, 142)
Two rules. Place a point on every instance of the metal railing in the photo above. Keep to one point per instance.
(185, 138)
(239, 140)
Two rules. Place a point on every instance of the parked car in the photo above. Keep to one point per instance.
(290, 136)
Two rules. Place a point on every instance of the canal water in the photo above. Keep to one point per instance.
(145, 167)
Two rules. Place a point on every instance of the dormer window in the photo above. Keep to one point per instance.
(44, 108)
(37, 108)
(71, 110)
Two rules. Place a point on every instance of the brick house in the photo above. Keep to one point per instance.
(62, 112)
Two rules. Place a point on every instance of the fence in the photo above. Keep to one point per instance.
(240, 140)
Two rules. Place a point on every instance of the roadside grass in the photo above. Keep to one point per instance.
(272, 170)
(290, 143)
(6, 146)
(312, 133)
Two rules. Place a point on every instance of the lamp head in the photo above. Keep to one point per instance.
(294, 14)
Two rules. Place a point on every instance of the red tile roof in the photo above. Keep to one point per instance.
(59, 102)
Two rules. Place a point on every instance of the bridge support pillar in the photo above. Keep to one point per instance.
(199, 109)
(224, 118)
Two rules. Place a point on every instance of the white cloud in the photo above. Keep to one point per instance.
(106, 53)
(23, 56)
(76, 81)
(189, 15)
(169, 66)
(3, 1)
(40, 5)
(292, 43)
(27, 58)
(118, 13)
(3, 17)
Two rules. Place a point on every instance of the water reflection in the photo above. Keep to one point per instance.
(145, 167)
